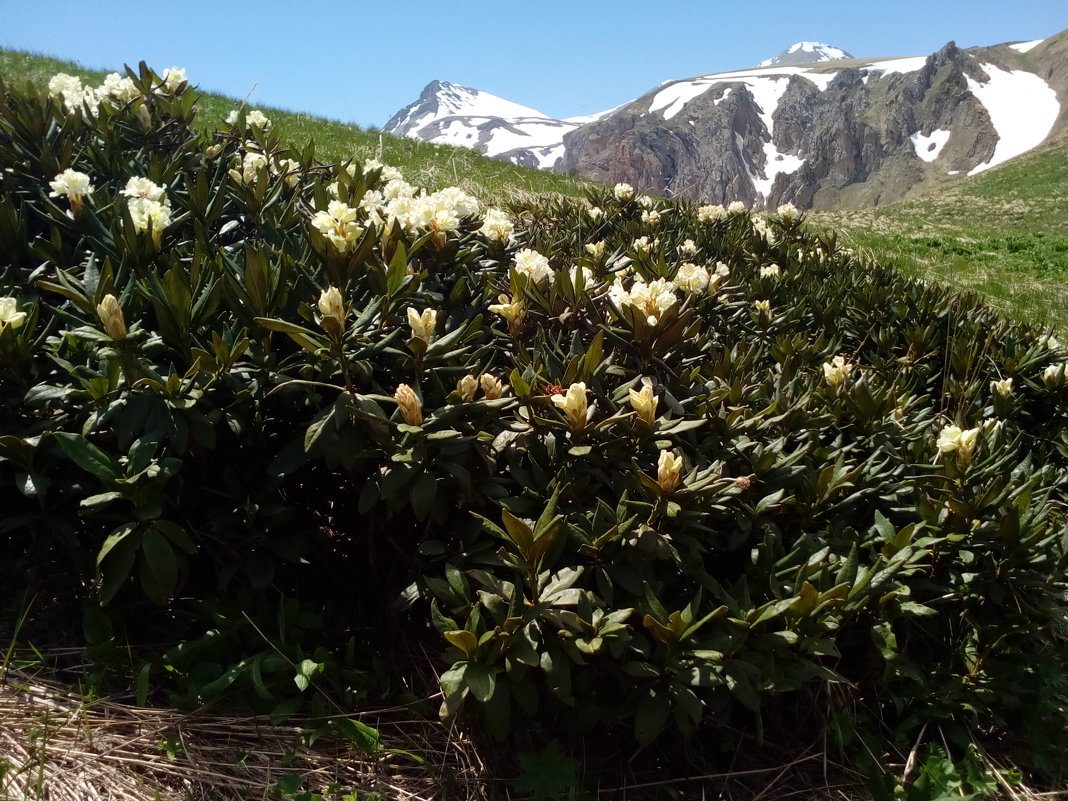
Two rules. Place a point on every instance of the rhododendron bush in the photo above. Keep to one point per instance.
(621, 464)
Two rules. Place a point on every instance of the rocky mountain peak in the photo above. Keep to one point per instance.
(805, 53)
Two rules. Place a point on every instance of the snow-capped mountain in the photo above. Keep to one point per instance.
(800, 128)
(805, 53)
(449, 114)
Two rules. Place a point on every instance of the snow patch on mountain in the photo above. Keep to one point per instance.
(805, 53)
(1026, 47)
(929, 147)
(1023, 108)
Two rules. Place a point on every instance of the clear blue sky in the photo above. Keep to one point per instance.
(362, 60)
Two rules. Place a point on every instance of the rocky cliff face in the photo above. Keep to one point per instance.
(813, 126)
(852, 132)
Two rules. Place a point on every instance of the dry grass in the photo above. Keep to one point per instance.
(60, 747)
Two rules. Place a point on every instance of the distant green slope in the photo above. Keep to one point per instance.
(1003, 232)
(432, 166)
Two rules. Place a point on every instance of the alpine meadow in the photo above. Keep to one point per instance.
(336, 465)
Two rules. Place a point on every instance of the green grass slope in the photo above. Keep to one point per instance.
(1003, 233)
(432, 166)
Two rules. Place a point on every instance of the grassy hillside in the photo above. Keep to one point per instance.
(432, 166)
(1003, 233)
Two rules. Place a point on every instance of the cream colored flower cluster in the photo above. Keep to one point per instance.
(73, 185)
(253, 119)
(116, 89)
(10, 316)
(652, 300)
(696, 279)
(150, 209)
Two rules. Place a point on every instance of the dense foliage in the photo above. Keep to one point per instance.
(642, 466)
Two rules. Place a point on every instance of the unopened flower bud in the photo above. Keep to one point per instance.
(422, 325)
(668, 471)
(573, 405)
(331, 303)
(411, 408)
(110, 313)
(467, 387)
(644, 402)
(492, 387)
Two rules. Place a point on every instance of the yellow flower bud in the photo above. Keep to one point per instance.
(668, 471)
(836, 371)
(110, 313)
(422, 325)
(1002, 388)
(467, 387)
(573, 405)
(644, 403)
(411, 408)
(491, 387)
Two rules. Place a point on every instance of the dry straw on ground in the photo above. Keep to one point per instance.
(61, 747)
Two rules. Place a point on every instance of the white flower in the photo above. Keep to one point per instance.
(652, 299)
(497, 225)
(688, 248)
(707, 214)
(512, 311)
(144, 188)
(290, 169)
(645, 201)
(642, 244)
(717, 276)
(173, 77)
(1055, 375)
(1002, 388)
(788, 211)
(533, 265)
(387, 173)
(952, 439)
(119, 88)
(257, 119)
(770, 271)
(338, 224)
(1050, 342)
(737, 207)
(595, 249)
(251, 164)
(595, 213)
(71, 183)
(651, 217)
(763, 309)
(692, 278)
(149, 214)
(67, 88)
(623, 191)
(581, 277)
(836, 371)
(10, 314)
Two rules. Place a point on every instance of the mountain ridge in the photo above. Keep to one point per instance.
(831, 130)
